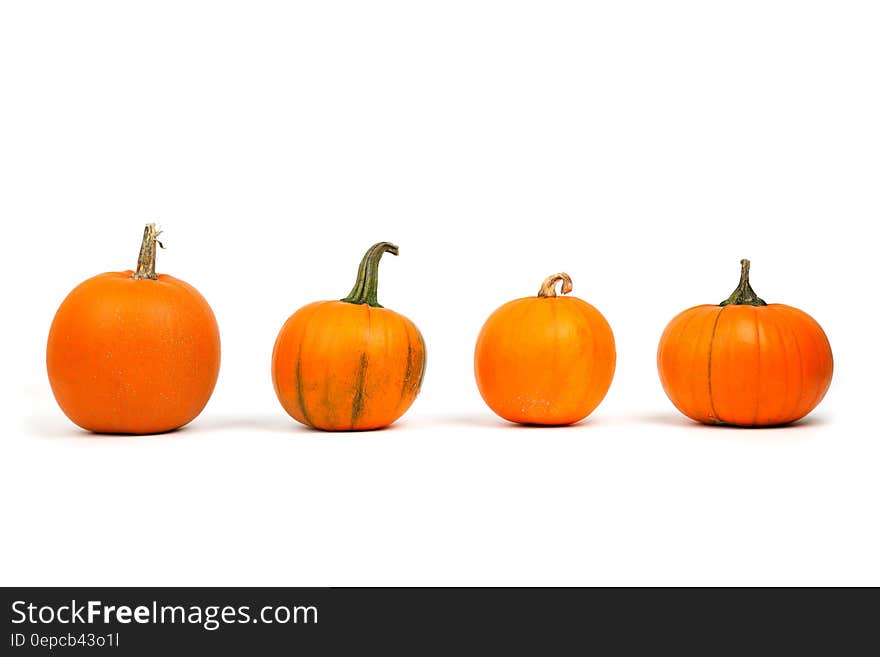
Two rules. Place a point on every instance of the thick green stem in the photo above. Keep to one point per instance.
(366, 287)
(548, 287)
(743, 295)
(146, 264)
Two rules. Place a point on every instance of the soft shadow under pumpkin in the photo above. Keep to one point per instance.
(686, 423)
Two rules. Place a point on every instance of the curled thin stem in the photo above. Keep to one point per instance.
(548, 287)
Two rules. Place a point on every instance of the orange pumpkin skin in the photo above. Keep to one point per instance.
(545, 360)
(348, 366)
(745, 365)
(339, 366)
(133, 356)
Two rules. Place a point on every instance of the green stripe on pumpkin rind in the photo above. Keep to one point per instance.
(408, 372)
(415, 371)
(300, 396)
(715, 417)
(357, 404)
(423, 363)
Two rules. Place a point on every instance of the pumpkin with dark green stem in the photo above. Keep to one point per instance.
(349, 365)
(745, 362)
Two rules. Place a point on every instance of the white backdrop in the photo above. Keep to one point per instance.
(642, 147)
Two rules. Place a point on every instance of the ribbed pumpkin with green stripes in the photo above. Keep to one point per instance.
(349, 365)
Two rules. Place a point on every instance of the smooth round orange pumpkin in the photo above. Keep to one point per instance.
(349, 365)
(545, 359)
(133, 352)
(744, 362)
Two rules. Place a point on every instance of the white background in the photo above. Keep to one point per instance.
(642, 147)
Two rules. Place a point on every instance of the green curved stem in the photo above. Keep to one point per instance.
(743, 295)
(366, 287)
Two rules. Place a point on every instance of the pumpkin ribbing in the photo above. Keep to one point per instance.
(349, 364)
(744, 362)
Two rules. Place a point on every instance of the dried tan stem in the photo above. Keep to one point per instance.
(548, 287)
(146, 264)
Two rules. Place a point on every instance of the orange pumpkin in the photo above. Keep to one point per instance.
(545, 359)
(349, 365)
(744, 362)
(133, 352)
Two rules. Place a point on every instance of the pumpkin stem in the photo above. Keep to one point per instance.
(146, 265)
(548, 287)
(744, 295)
(366, 287)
